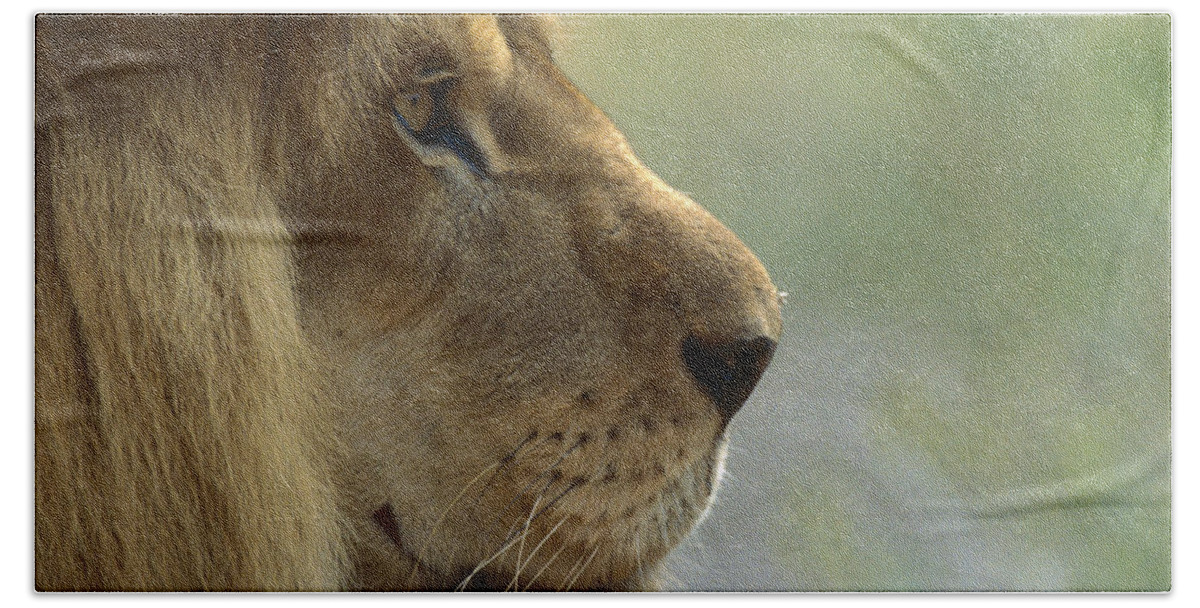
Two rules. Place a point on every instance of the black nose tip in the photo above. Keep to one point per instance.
(727, 370)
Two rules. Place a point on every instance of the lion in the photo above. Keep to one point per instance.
(366, 303)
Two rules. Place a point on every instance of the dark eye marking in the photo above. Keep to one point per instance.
(425, 115)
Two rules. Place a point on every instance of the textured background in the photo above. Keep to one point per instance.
(971, 216)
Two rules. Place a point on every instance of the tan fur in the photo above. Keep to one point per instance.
(282, 344)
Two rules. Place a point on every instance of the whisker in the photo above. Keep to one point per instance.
(495, 468)
(546, 565)
(505, 546)
(573, 568)
(521, 566)
(521, 546)
(518, 533)
(512, 530)
(507, 460)
(548, 470)
(583, 567)
(637, 555)
(441, 518)
(575, 483)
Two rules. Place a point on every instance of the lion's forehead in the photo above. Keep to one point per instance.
(477, 45)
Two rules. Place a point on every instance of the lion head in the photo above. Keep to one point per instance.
(366, 302)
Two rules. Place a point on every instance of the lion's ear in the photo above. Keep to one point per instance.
(531, 33)
(431, 122)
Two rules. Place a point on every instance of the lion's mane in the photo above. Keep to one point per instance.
(178, 441)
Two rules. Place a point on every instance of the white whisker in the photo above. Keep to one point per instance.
(546, 565)
(528, 560)
(583, 567)
(495, 469)
(508, 544)
(521, 547)
(429, 538)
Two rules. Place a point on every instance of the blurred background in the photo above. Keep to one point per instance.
(971, 217)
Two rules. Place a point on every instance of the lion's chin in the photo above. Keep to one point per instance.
(597, 554)
(716, 468)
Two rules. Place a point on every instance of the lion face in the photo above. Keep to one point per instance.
(381, 291)
(538, 342)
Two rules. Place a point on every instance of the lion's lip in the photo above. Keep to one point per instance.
(385, 517)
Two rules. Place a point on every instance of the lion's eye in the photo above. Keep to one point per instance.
(424, 112)
(414, 109)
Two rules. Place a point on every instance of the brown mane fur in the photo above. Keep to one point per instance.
(158, 465)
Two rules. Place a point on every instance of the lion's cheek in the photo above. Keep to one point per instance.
(607, 479)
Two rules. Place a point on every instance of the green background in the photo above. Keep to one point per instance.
(971, 217)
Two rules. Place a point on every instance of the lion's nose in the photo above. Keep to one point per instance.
(727, 370)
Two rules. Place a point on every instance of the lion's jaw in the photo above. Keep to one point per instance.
(511, 321)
